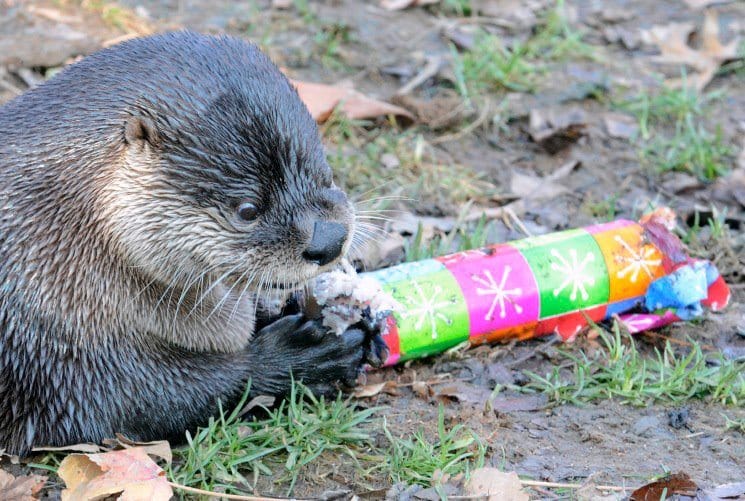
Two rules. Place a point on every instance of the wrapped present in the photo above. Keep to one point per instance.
(548, 284)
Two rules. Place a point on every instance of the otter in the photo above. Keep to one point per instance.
(152, 197)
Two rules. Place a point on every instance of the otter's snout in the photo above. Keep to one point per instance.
(327, 242)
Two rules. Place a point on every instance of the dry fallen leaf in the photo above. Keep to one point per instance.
(23, 488)
(556, 128)
(727, 491)
(370, 390)
(464, 393)
(322, 100)
(620, 126)
(404, 4)
(672, 40)
(158, 448)
(495, 485)
(87, 448)
(421, 389)
(541, 188)
(677, 483)
(130, 472)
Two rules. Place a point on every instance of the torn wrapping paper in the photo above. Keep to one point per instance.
(547, 284)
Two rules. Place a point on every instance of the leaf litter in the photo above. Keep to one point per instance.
(675, 49)
(129, 472)
(21, 488)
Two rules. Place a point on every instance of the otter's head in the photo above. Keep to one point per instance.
(223, 174)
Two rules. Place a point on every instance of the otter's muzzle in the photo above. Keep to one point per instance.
(327, 242)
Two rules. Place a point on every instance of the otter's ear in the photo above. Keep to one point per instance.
(140, 129)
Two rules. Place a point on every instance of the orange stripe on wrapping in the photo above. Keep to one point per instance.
(518, 332)
(632, 263)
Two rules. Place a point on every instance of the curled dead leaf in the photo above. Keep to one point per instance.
(322, 100)
(130, 472)
(463, 393)
(371, 390)
(158, 448)
(556, 128)
(422, 389)
(87, 448)
(677, 483)
(24, 488)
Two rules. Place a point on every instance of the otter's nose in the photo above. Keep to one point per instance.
(326, 243)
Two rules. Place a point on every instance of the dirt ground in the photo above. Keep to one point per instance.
(624, 445)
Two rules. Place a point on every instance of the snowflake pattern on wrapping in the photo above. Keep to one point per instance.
(501, 295)
(637, 261)
(426, 309)
(575, 272)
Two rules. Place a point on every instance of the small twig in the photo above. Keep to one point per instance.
(238, 497)
(559, 485)
(482, 118)
(434, 63)
(680, 342)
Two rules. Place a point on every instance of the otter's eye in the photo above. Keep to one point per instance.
(247, 211)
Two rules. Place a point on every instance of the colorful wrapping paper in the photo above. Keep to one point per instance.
(541, 285)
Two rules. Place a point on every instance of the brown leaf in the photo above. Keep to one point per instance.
(158, 448)
(556, 128)
(677, 483)
(322, 100)
(422, 389)
(463, 393)
(370, 390)
(620, 126)
(672, 40)
(130, 472)
(495, 485)
(88, 448)
(23, 488)
(727, 491)
(522, 403)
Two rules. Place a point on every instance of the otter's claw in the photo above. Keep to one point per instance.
(295, 347)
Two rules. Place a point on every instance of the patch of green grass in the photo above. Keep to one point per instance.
(489, 66)
(298, 432)
(718, 230)
(328, 40)
(306, 12)
(734, 424)
(462, 237)
(460, 8)
(620, 372)
(356, 154)
(557, 40)
(668, 106)
(691, 149)
(415, 459)
(603, 210)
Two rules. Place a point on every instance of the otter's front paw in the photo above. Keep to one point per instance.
(295, 347)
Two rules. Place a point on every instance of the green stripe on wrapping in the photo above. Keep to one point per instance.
(547, 239)
(569, 269)
(435, 315)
